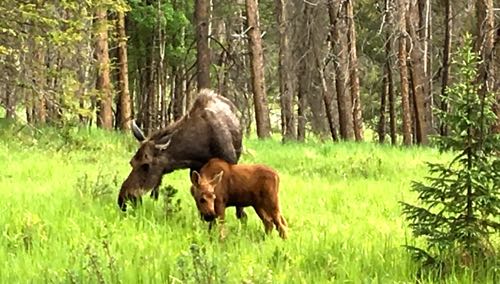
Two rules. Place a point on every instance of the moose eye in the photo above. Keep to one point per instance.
(203, 200)
(145, 167)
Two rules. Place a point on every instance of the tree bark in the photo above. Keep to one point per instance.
(383, 106)
(263, 123)
(103, 84)
(327, 97)
(388, 80)
(496, 105)
(428, 66)
(39, 94)
(338, 30)
(448, 23)
(304, 76)
(123, 91)
(418, 75)
(178, 97)
(10, 102)
(485, 44)
(285, 72)
(403, 71)
(202, 15)
(392, 106)
(353, 72)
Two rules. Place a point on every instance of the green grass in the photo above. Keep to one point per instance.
(60, 222)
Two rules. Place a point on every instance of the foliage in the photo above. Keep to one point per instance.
(460, 202)
(196, 267)
(170, 202)
(103, 186)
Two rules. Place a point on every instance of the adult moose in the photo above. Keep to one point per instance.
(209, 129)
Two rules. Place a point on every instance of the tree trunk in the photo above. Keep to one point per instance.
(496, 105)
(39, 94)
(485, 44)
(388, 81)
(403, 71)
(202, 14)
(263, 123)
(123, 91)
(392, 106)
(10, 101)
(418, 60)
(383, 106)
(178, 97)
(327, 97)
(353, 72)
(338, 31)
(448, 23)
(285, 72)
(304, 76)
(428, 67)
(103, 84)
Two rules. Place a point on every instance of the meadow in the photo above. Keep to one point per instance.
(60, 222)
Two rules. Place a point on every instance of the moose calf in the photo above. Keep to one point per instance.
(219, 185)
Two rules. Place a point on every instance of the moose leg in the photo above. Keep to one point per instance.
(155, 193)
(220, 210)
(135, 200)
(240, 214)
(280, 223)
(266, 219)
(156, 190)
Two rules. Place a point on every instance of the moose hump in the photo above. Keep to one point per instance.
(210, 129)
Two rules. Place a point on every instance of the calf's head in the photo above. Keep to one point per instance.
(203, 192)
(147, 164)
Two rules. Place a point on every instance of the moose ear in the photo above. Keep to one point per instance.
(217, 178)
(137, 132)
(195, 178)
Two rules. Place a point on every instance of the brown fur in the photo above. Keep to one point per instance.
(210, 129)
(219, 185)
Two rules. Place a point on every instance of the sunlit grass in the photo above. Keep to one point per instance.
(60, 221)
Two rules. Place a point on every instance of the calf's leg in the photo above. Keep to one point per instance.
(280, 223)
(220, 210)
(266, 219)
(240, 214)
(278, 220)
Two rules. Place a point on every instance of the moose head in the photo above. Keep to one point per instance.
(148, 165)
(203, 192)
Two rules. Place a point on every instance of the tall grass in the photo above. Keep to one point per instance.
(60, 221)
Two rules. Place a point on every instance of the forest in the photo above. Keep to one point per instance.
(382, 118)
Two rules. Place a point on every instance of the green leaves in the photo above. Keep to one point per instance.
(460, 203)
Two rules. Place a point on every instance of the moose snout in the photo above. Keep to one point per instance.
(209, 217)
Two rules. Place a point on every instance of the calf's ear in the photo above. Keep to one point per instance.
(195, 177)
(217, 178)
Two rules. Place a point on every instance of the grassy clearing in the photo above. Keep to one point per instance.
(60, 221)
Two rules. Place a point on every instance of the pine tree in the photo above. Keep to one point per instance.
(460, 201)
